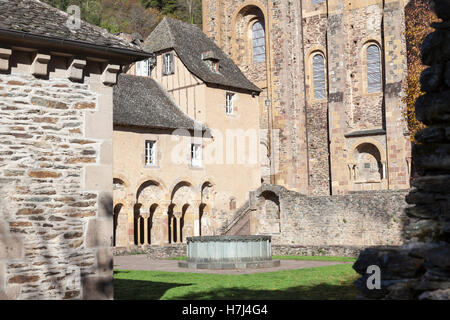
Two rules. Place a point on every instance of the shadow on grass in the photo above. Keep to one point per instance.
(148, 290)
(318, 292)
(141, 290)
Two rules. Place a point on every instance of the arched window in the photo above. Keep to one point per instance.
(259, 42)
(373, 69)
(319, 76)
(232, 204)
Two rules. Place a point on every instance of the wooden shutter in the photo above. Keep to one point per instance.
(319, 77)
(172, 67)
(373, 69)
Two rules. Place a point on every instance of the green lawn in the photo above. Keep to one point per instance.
(310, 258)
(331, 282)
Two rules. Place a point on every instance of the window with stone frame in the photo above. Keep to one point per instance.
(373, 64)
(168, 64)
(319, 83)
(150, 153)
(259, 42)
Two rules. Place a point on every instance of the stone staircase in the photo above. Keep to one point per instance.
(240, 223)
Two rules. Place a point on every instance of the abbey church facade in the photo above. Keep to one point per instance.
(332, 74)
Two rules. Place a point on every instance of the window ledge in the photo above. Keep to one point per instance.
(196, 168)
(152, 167)
(366, 133)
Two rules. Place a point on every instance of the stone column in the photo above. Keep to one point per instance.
(129, 211)
(145, 219)
(177, 216)
(138, 231)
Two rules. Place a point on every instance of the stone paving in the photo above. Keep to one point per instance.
(142, 263)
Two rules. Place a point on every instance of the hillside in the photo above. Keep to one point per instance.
(131, 16)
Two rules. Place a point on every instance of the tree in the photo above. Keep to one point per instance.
(418, 16)
(192, 10)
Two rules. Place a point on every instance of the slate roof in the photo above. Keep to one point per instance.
(38, 18)
(189, 42)
(142, 102)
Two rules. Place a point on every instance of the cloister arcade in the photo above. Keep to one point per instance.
(154, 214)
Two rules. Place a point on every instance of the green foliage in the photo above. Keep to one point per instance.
(131, 16)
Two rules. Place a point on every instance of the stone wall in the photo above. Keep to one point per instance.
(317, 138)
(55, 177)
(421, 269)
(154, 252)
(311, 251)
(359, 219)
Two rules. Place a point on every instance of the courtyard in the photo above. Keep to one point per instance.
(298, 278)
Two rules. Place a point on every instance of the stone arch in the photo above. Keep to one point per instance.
(269, 219)
(119, 190)
(121, 179)
(368, 162)
(242, 42)
(203, 225)
(207, 192)
(368, 166)
(183, 192)
(369, 141)
(147, 186)
(149, 197)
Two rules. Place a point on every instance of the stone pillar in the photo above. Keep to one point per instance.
(420, 269)
(397, 143)
(145, 220)
(337, 99)
(138, 233)
(177, 229)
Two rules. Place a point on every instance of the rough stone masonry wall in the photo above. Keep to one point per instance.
(312, 138)
(55, 181)
(360, 219)
(421, 270)
(285, 85)
(314, 38)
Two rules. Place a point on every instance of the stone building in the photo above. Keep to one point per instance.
(186, 140)
(161, 204)
(420, 270)
(56, 136)
(332, 75)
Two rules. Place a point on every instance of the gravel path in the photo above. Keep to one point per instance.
(142, 263)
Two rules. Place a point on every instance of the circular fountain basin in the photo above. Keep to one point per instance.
(229, 252)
